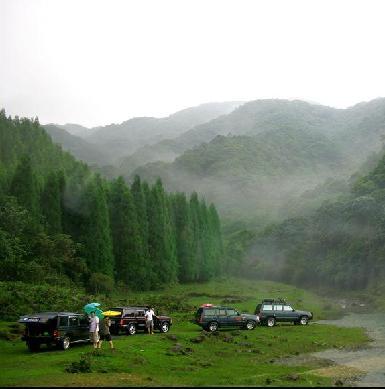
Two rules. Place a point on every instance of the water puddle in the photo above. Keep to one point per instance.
(370, 360)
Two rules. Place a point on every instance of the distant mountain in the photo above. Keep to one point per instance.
(246, 174)
(78, 147)
(120, 140)
(248, 119)
(75, 129)
(268, 153)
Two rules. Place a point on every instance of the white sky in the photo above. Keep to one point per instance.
(97, 62)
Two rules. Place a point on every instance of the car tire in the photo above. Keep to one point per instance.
(131, 329)
(65, 343)
(304, 320)
(250, 325)
(164, 327)
(33, 346)
(213, 326)
(270, 322)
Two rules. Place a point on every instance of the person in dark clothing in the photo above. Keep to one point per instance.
(105, 332)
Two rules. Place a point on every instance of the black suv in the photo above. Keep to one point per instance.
(54, 328)
(271, 311)
(132, 319)
(211, 317)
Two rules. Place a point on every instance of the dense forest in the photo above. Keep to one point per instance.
(339, 246)
(62, 224)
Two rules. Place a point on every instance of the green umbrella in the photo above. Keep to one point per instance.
(93, 307)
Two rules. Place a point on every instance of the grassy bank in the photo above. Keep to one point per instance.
(183, 357)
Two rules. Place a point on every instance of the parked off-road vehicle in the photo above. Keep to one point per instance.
(54, 328)
(271, 311)
(211, 318)
(132, 319)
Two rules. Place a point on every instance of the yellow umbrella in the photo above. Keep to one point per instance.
(112, 313)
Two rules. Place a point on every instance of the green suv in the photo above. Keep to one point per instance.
(211, 318)
(271, 311)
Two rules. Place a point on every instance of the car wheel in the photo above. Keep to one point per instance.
(65, 343)
(270, 322)
(164, 327)
(304, 320)
(250, 325)
(33, 346)
(131, 329)
(213, 326)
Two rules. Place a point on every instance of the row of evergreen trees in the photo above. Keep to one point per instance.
(60, 221)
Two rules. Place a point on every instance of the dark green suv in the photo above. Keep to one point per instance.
(271, 311)
(54, 328)
(211, 318)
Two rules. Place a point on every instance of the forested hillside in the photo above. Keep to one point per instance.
(62, 224)
(269, 155)
(121, 140)
(252, 176)
(78, 147)
(341, 245)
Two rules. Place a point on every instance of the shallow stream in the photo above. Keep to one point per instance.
(371, 360)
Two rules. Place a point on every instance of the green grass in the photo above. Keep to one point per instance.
(227, 358)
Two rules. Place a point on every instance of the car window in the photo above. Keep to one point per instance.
(209, 312)
(140, 313)
(287, 308)
(83, 320)
(278, 307)
(232, 312)
(222, 312)
(63, 321)
(267, 307)
(73, 321)
(130, 314)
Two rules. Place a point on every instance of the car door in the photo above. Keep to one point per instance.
(73, 328)
(279, 313)
(290, 314)
(84, 328)
(234, 319)
(140, 319)
(222, 317)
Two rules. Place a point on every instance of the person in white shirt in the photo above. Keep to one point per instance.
(94, 329)
(149, 315)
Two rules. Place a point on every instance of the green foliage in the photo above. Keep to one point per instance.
(100, 283)
(341, 245)
(63, 225)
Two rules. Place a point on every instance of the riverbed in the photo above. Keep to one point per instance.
(371, 359)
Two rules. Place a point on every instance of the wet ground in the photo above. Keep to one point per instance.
(370, 360)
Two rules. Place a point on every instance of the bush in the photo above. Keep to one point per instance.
(82, 366)
(100, 283)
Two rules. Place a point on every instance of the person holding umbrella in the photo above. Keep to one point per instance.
(94, 329)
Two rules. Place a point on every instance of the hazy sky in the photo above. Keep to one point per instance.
(97, 62)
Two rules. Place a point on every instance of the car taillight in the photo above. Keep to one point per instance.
(201, 319)
(56, 334)
(121, 322)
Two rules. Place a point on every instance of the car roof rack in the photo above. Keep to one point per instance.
(279, 300)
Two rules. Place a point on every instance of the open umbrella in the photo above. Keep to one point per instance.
(93, 307)
(111, 313)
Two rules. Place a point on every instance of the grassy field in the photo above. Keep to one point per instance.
(184, 357)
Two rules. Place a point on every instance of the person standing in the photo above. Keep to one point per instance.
(94, 329)
(105, 332)
(149, 315)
